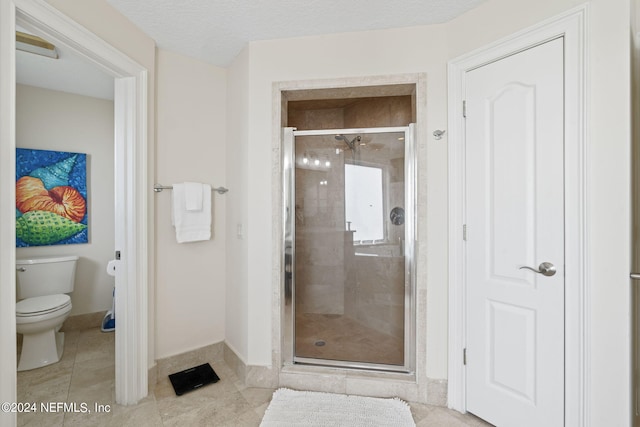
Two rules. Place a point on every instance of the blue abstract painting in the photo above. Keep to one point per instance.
(51, 198)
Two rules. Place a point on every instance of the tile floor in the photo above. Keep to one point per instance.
(345, 339)
(86, 375)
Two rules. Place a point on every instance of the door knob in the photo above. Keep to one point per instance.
(546, 269)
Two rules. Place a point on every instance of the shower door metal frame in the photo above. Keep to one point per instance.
(288, 257)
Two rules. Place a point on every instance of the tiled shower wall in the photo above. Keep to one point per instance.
(351, 113)
(330, 277)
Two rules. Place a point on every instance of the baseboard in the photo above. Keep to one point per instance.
(267, 377)
(251, 376)
(437, 392)
(180, 362)
(152, 378)
(338, 381)
(82, 322)
(234, 362)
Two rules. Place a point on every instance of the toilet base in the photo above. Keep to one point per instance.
(41, 349)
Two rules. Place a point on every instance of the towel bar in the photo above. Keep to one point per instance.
(635, 276)
(159, 187)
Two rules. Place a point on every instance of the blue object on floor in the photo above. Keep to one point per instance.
(109, 321)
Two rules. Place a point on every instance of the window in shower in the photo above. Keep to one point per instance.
(363, 203)
(350, 259)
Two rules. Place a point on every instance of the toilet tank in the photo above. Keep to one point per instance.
(39, 276)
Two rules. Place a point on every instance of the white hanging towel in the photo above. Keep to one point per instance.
(191, 225)
(193, 194)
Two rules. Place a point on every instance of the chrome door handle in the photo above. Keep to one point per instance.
(546, 269)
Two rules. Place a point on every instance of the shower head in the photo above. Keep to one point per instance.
(351, 144)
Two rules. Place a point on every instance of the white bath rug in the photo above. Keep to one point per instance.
(310, 408)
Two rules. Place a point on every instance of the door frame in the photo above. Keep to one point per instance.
(289, 223)
(572, 26)
(132, 193)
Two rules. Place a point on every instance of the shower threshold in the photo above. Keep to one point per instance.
(344, 364)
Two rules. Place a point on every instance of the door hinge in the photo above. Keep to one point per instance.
(464, 356)
(464, 232)
(464, 109)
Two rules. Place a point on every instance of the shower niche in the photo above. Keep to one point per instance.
(349, 195)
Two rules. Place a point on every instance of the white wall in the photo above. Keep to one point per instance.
(191, 146)
(427, 49)
(237, 299)
(52, 120)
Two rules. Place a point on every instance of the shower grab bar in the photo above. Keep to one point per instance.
(159, 187)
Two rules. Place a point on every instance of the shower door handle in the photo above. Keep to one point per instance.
(288, 273)
(546, 269)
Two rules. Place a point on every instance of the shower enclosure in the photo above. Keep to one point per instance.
(349, 238)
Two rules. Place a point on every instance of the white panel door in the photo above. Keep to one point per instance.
(515, 218)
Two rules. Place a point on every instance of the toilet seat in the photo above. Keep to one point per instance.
(38, 306)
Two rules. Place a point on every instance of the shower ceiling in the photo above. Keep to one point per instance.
(215, 31)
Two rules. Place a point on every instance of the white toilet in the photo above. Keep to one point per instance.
(42, 285)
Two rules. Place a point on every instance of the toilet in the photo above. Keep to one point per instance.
(43, 305)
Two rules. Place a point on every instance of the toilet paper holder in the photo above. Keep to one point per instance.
(111, 267)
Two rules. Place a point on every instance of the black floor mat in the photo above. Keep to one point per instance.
(193, 378)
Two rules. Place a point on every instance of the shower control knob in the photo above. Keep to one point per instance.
(397, 216)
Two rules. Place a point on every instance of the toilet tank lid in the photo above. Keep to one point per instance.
(46, 259)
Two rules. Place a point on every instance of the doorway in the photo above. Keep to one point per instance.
(515, 222)
(131, 189)
(349, 246)
(503, 367)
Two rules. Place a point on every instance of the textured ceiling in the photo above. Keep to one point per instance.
(215, 31)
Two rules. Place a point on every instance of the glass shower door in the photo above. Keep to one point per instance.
(351, 237)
